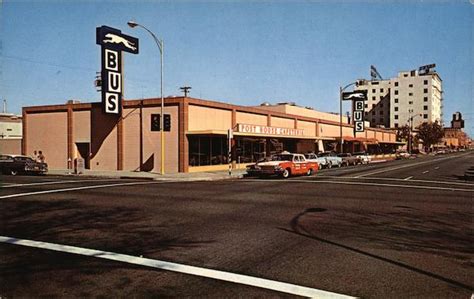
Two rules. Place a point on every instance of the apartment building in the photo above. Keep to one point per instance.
(414, 96)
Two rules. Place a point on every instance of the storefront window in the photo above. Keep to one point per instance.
(207, 150)
(250, 149)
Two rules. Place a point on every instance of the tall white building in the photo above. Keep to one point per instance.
(412, 95)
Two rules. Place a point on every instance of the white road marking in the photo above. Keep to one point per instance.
(408, 178)
(364, 184)
(426, 171)
(405, 166)
(75, 189)
(180, 268)
(436, 168)
(397, 179)
(55, 183)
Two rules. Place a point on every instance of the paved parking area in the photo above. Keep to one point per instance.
(385, 230)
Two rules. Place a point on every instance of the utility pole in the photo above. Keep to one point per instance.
(185, 89)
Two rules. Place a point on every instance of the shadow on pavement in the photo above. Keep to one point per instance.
(297, 228)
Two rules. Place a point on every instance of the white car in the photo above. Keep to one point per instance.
(332, 158)
(363, 157)
(322, 161)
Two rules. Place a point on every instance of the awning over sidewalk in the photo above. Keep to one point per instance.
(361, 140)
(393, 142)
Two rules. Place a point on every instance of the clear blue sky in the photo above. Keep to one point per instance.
(241, 52)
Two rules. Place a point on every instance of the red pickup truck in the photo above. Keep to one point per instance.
(284, 165)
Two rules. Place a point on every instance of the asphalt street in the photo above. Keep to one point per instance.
(399, 229)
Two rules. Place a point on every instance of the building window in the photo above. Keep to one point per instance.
(410, 94)
(366, 113)
(410, 103)
(373, 112)
(396, 101)
(396, 92)
(381, 105)
(207, 150)
(373, 106)
(425, 82)
(425, 99)
(373, 98)
(425, 107)
(366, 106)
(396, 108)
(395, 116)
(373, 90)
(381, 97)
(405, 75)
(381, 89)
(381, 112)
(425, 90)
(375, 83)
(396, 125)
(425, 116)
(396, 83)
(410, 85)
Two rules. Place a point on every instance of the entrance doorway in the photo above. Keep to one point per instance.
(84, 150)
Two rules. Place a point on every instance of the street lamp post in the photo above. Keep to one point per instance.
(160, 45)
(341, 89)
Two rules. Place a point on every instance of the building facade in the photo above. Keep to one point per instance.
(197, 137)
(412, 98)
(10, 133)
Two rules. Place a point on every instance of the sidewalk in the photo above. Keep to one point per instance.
(196, 176)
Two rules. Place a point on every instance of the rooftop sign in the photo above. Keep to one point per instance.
(113, 43)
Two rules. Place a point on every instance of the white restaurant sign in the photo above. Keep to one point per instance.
(264, 130)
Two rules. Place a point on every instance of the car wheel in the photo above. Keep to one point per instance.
(309, 172)
(13, 172)
(286, 173)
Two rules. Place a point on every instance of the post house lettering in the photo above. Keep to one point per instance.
(264, 130)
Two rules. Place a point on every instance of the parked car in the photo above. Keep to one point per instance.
(284, 165)
(332, 158)
(349, 159)
(364, 157)
(15, 164)
(312, 157)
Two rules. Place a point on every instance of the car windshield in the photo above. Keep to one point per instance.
(282, 158)
(310, 156)
(325, 154)
(342, 155)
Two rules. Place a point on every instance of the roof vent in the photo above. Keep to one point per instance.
(265, 104)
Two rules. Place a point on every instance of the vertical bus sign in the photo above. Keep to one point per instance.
(358, 99)
(113, 43)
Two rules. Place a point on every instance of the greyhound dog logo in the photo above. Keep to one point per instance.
(357, 95)
(115, 39)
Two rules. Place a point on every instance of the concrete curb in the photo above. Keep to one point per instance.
(152, 177)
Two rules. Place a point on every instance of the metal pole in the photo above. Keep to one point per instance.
(340, 118)
(161, 117)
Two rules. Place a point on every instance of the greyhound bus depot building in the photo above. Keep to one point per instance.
(197, 136)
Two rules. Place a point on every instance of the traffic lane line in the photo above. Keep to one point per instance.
(181, 268)
(77, 189)
(366, 184)
(12, 185)
(426, 171)
(409, 165)
(411, 180)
